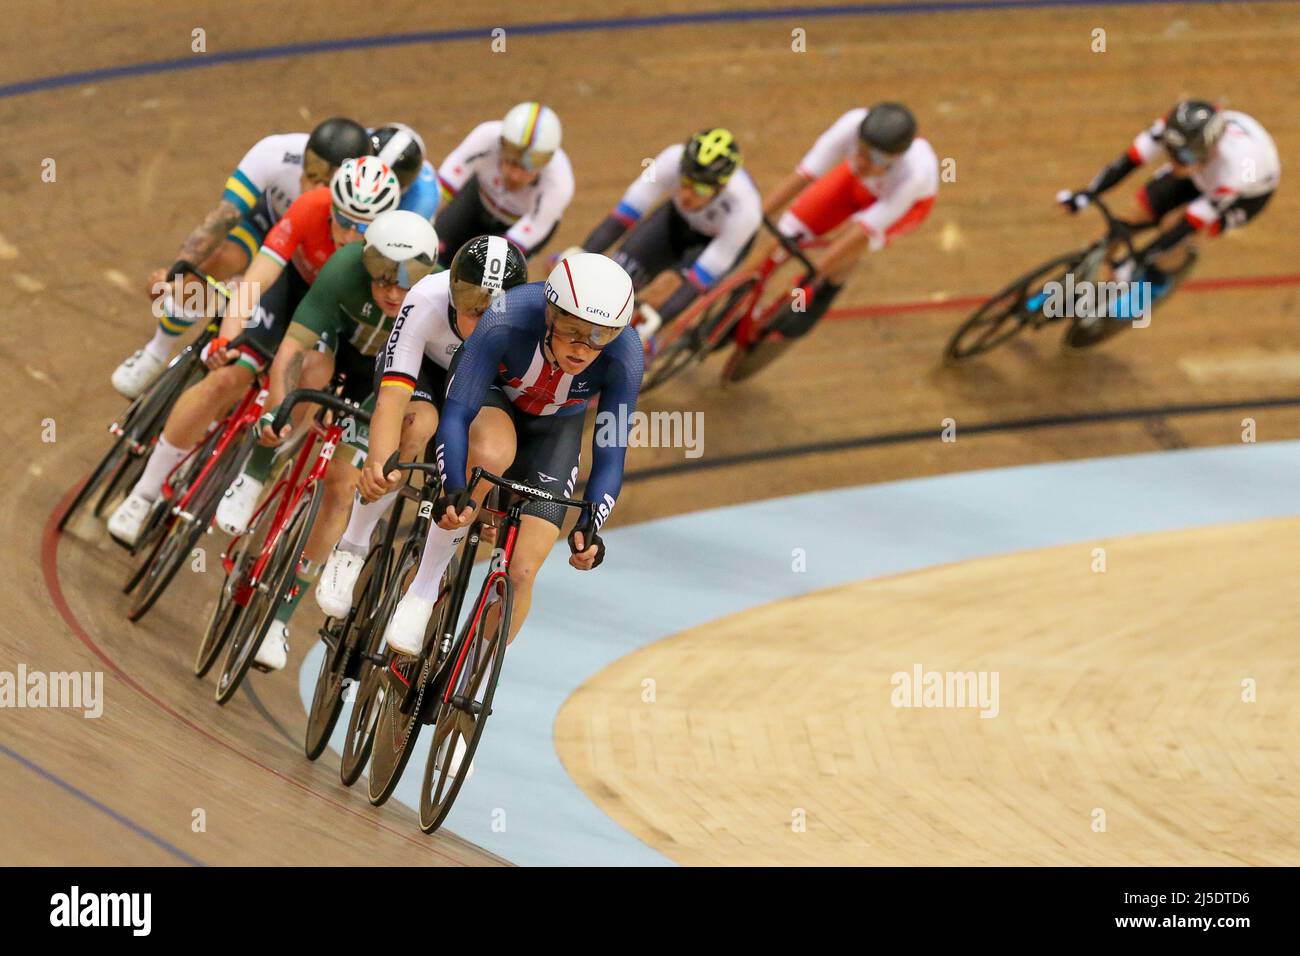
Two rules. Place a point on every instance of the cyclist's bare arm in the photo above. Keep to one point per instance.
(842, 253)
(784, 193)
(261, 275)
(206, 239)
(385, 437)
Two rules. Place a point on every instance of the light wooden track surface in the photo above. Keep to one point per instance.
(1119, 692)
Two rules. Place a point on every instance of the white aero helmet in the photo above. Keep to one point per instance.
(362, 189)
(595, 289)
(530, 135)
(401, 248)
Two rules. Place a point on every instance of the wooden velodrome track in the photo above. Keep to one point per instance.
(1014, 95)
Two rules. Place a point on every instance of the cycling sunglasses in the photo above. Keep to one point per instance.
(578, 332)
(385, 272)
(531, 159)
(347, 223)
(701, 189)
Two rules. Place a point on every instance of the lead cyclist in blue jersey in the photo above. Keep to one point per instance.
(523, 379)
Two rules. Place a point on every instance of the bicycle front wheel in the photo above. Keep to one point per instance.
(463, 713)
(327, 700)
(255, 619)
(1002, 316)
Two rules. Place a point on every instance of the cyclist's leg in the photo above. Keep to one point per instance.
(1160, 196)
(550, 449)
(648, 249)
(418, 427)
(492, 444)
(462, 219)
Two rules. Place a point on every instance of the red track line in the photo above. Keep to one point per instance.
(967, 301)
(50, 567)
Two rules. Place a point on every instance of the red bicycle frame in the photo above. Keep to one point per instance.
(248, 411)
(294, 489)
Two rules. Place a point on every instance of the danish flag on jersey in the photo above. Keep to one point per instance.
(542, 390)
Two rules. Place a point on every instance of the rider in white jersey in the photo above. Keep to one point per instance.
(686, 245)
(1223, 169)
(507, 178)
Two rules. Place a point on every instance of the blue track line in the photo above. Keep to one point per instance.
(103, 808)
(205, 60)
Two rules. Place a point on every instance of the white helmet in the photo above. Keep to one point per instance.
(533, 130)
(401, 247)
(363, 188)
(593, 288)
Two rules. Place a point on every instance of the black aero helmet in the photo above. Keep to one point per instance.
(482, 269)
(338, 139)
(888, 128)
(401, 149)
(1191, 129)
(711, 156)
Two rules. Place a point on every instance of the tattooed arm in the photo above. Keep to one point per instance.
(201, 243)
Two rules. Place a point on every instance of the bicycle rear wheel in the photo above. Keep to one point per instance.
(255, 619)
(462, 716)
(327, 700)
(1003, 316)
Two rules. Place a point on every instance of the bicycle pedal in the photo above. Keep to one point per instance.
(378, 660)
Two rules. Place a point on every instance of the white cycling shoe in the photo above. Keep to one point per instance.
(274, 651)
(457, 758)
(405, 631)
(126, 522)
(137, 373)
(337, 582)
(238, 504)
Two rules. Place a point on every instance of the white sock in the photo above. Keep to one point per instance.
(361, 524)
(164, 458)
(438, 551)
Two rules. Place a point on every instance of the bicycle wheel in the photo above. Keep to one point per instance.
(1082, 335)
(141, 423)
(697, 333)
(1004, 315)
(255, 619)
(184, 531)
(395, 731)
(226, 613)
(327, 700)
(463, 713)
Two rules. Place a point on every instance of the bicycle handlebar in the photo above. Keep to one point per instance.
(325, 399)
(790, 246)
(262, 351)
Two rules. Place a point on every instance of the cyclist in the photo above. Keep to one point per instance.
(272, 174)
(401, 149)
(690, 242)
(869, 167)
(507, 178)
(537, 357)
(297, 246)
(437, 315)
(1223, 169)
(340, 327)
